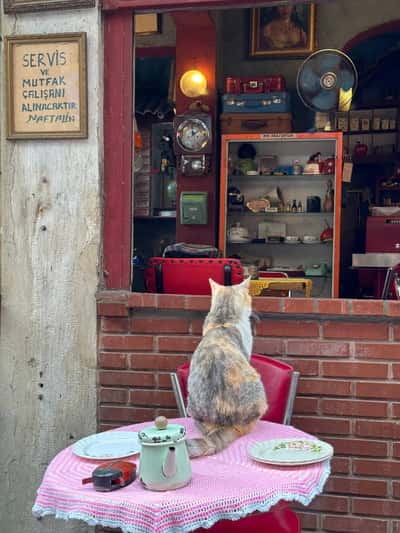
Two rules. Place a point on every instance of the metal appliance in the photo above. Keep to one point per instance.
(383, 234)
(382, 252)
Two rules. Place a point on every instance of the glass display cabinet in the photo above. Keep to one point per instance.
(280, 204)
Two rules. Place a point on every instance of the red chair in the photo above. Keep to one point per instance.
(280, 382)
(391, 288)
(190, 276)
(279, 379)
(281, 519)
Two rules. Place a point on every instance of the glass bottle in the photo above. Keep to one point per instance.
(297, 169)
(300, 207)
(294, 207)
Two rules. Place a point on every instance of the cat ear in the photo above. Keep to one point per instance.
(213, 284)
(245, 283)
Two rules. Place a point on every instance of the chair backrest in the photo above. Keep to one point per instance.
(190, 276)
(279, 380)
(391, 288)
(272, 274)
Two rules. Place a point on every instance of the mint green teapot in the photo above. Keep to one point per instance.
(164, 459)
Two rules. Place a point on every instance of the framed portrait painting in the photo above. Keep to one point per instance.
(287, 30)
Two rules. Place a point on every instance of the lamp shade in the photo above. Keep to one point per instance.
(193, 84)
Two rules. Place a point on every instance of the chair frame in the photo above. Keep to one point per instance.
(176, 386)
(391, 277)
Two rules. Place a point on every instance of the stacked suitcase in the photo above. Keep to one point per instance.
(256, 105)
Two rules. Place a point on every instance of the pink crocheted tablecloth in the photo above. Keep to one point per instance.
(228, 485)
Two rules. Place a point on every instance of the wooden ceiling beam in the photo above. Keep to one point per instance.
(174, 5)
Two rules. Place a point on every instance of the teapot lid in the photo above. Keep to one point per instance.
(161, 432)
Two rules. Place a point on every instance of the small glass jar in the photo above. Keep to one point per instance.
(297, 168)
(253, 271)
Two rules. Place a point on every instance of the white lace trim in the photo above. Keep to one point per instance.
(38, 511)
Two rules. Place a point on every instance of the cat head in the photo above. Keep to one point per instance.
(234, 301)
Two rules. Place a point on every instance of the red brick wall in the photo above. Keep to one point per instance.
(348, 353)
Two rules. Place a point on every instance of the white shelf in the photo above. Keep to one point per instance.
(276, 176)
(280, 213)
(278, 243)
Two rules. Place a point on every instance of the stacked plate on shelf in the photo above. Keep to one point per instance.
(239, 240)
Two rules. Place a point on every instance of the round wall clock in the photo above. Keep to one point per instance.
(193, 135)
(193, 143)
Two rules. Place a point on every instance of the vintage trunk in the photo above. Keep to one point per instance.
(256, 123)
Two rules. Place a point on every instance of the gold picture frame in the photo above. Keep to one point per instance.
(282, 31)
(26, 6)
(46, 86)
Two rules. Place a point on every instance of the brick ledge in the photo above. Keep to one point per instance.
(120, 302)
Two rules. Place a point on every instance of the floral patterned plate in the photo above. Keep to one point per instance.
(290, 452)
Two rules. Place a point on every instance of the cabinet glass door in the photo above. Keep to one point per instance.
(280, 205)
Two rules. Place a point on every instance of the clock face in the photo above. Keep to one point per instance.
(193, 135)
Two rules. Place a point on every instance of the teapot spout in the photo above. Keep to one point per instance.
(169, 465)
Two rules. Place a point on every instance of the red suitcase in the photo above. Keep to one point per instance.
(191, 276)
(255, 85)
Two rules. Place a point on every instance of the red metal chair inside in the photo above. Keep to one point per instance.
(190, 276)
(391, 288)
(273, 274)
(279, 380)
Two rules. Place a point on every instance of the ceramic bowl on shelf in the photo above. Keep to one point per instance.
(309, 239)
(291, 239)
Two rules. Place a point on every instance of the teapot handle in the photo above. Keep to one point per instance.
(169, 464)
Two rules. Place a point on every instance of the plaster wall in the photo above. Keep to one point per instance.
(50, 244)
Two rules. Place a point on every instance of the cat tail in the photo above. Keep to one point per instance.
(214, 442)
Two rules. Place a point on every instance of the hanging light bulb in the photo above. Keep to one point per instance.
(193, 84)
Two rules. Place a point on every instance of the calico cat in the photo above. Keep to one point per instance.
(226, 397)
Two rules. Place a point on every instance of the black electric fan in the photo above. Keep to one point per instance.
(327, 81)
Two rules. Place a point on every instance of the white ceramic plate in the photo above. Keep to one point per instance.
(108, 445)
(290, 452)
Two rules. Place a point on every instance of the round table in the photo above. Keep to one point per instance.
(228, 485)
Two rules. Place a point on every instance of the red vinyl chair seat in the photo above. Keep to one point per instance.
(276, 377)
(281, 519)
(190, 275)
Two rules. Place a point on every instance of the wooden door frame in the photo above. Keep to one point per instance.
(118, 149)
(173, 5)
(118, 124)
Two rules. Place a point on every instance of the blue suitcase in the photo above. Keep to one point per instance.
(256, 103)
